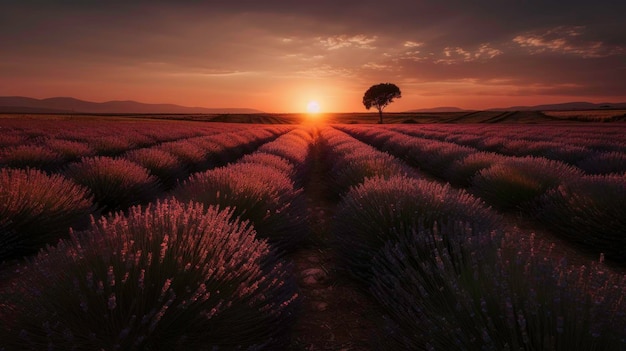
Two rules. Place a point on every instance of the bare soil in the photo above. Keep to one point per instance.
(336, 313)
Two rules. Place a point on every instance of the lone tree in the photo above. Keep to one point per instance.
(381, 95)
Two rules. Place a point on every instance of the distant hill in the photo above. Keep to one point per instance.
(20, 104)
(440, 109)
(568, 106)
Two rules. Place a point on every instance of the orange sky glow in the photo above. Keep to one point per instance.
(278, 56)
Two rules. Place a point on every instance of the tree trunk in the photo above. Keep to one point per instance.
(380, 113)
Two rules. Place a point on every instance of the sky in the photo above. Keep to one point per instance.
(278, 55)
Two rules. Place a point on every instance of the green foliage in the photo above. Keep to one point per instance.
(169, 276)
(381, 95)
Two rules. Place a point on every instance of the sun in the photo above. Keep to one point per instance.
(313, 107)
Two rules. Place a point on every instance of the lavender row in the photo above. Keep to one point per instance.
(531, 185)
(602, 151)
(353, 161)
(175, 160)
(19, 131)
(594, 137)
(171, 275)
(118, 183)
(457, 288)
(449, 277)
(167, 276)
(37, 208)
(51, 153)
(261, 188)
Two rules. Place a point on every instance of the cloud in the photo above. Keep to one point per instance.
(412, 44)
(456, 55)
(359, 41)
(566, 40)
(324, 71)
(377, 66)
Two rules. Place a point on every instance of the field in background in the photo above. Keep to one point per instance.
(589, 115)
(525, 117)
(504, 229)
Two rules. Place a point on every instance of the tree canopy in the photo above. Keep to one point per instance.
(381, 95)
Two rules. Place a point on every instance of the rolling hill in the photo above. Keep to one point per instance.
(567, 106)
(20, 104)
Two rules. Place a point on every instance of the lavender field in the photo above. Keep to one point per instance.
(154, 234)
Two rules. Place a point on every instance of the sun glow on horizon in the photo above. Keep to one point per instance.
(313, 107)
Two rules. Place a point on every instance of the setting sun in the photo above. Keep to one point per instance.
(313, 107)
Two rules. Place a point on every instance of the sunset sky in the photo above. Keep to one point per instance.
(277, 56)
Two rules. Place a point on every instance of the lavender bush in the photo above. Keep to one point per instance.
(30, 156)
(192, 156)
(115, 183)
(271, 160)
(354, 171)
(605, 163)
(435, 157)
(11, 137)
(590, 211)
(37, 209)
(453, 288)
(169, 276)
(160, 163)
(515, 182)
(370, 214)
(261, 194)
(461, 172)
(354, 161)
(70, 150)
(111, 144)
(295, 147)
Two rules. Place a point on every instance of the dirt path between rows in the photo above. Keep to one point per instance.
(336, 314)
